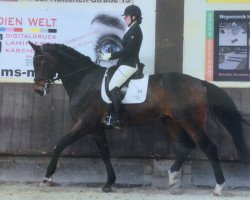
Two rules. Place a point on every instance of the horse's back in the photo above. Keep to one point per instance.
(177, 84)
(179, 94)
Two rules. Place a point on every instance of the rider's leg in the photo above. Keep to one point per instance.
(115, 119)
(122, 74)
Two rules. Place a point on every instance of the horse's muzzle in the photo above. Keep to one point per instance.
(41, 87)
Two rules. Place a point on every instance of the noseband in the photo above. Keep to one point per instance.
(43, 67)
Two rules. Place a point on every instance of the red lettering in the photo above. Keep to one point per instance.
(11, 21)
(32, 22)
(42, 22)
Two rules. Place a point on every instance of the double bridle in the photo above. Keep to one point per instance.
(43, 64)
(50, 81)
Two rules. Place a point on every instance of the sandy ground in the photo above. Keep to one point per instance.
(11, 191)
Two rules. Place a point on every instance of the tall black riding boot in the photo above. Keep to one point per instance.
(115, 111)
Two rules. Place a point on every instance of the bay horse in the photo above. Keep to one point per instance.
(180, 101)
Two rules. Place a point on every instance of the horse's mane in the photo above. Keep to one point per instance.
(73, 52)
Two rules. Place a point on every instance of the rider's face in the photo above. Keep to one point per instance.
(127, 19)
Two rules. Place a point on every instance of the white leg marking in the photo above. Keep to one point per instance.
(218, 189)
(47, 181)
(173, 177)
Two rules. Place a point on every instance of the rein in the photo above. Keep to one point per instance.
(65, 76)
(52, 80)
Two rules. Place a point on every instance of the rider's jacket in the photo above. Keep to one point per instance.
(131, 44)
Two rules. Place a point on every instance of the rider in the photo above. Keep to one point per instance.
(127, 64)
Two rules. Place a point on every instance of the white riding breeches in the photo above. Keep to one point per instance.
(121, 75)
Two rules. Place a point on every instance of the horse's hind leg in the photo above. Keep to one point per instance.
(210, 150)
(102, 144)
(183, 145)
(61, 145)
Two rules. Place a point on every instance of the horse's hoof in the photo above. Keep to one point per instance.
(47, 182)
(218, 189)
(175, 188)
(175, 191)
(173, 178)
(107, 189)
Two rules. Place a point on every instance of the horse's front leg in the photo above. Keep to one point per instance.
(61, 145)
(102, 144)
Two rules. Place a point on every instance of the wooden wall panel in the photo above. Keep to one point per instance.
(7, 117)
(32, 125)
(246, 110)
(41, 123)
(57, 114)
(17, 118)
(27, 119)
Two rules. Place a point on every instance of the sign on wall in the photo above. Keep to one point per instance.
(227, 46)
(228, 1)
(89, 26)
(216, 41)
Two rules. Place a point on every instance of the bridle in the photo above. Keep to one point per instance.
(52, 80)
(43, 64)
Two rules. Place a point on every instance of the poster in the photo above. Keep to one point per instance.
(200, 46)
(227, 46)
(89, 26)
(228, 1)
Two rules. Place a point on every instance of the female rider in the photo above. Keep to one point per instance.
(127, 64)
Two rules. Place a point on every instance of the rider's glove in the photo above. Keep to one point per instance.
(105, 56)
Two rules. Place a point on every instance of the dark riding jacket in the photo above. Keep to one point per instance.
(131, 44)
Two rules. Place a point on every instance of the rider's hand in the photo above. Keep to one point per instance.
(105, 56)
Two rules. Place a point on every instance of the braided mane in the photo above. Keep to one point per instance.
(73, 52)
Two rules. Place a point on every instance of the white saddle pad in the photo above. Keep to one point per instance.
(136, 93)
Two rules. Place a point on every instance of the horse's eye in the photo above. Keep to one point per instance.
(108, 44)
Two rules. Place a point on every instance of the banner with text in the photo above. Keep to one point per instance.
(228, 1)
(227, 46)
(81, 24)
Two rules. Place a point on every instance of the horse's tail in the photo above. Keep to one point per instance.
(223, 109)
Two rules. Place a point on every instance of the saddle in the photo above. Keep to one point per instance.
(134, 90)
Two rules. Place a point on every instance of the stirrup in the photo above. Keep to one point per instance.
(107, 122)
(112, 122)
(116, 123)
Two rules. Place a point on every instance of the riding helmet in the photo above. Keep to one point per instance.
(132, 10)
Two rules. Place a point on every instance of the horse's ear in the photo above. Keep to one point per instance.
(35, 47)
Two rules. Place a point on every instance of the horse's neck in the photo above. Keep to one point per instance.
(81, 77)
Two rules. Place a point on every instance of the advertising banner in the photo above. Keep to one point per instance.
(227, 44)
(89, 26)
(228, 1)
(216, 41)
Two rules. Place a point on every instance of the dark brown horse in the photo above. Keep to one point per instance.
(181, 101)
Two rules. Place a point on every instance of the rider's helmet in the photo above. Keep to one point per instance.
(133, 10)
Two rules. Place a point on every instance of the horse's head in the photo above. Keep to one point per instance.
(45, 67)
